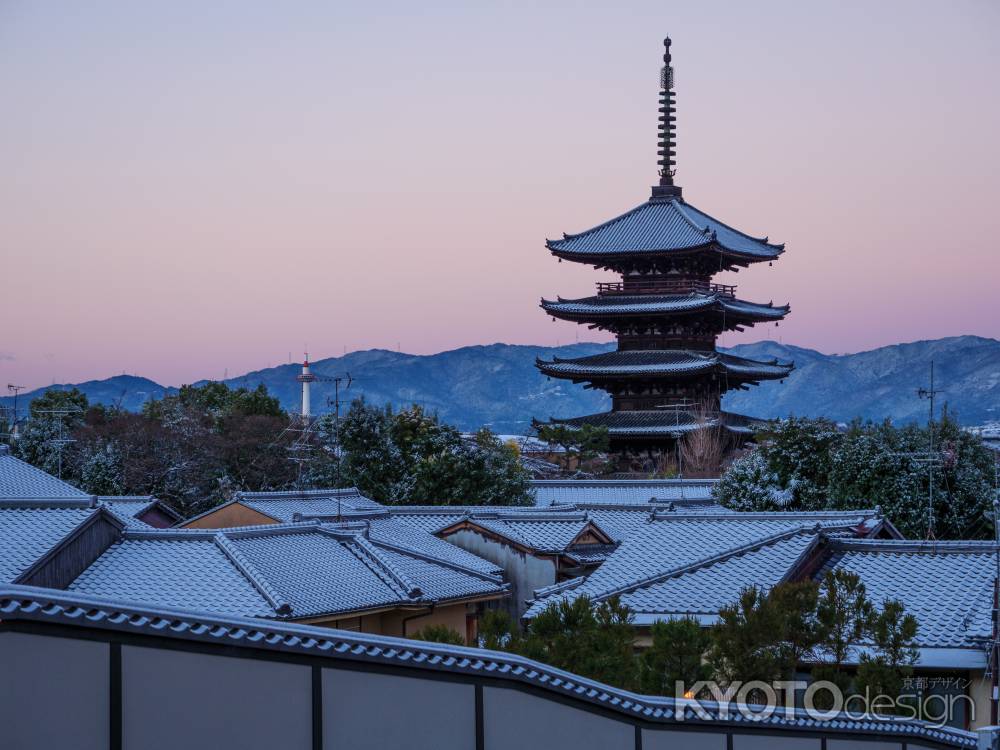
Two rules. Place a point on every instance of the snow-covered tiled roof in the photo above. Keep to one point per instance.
(130, 508)
(669, 545)
(19, 479)
(284, 506)
(947, 586)
(175, 569)
(662, 227)
(625, 492)
(305, 569)
(27, 533)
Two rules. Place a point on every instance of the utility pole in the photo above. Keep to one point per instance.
(337, 380)
(15, 389)
(929, 394)
(62, 441)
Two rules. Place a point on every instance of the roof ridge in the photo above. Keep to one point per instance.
(610, 482)
(249, 571)
(679, 207)
(302, 494)
(914, 545)
(766, 515)
(540, 516)
(762, 240)
(368, 554)
(407, 550)
(703, 562)
(43, 502)
(546, 591)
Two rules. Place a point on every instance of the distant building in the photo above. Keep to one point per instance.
(666, 378)
(687, 492)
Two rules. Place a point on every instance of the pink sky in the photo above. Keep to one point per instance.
(187, 189)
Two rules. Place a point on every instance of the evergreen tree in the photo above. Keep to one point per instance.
(101, 471)
(892, 633)
(749, 484)
(439, 634)
(676, 654)
(746, 640)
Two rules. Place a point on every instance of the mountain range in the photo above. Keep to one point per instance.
(498, 386)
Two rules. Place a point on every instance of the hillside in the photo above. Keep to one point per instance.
(497, 385)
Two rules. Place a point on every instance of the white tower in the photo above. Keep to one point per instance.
(305, 378)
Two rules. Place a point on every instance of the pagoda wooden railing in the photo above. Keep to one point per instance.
(664, 286)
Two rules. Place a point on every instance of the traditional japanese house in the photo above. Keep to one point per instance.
(666, 377)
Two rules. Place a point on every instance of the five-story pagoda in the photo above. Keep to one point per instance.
(666, 377)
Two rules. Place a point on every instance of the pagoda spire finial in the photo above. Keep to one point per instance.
(666, 188)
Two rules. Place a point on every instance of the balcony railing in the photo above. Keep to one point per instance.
(664, 286)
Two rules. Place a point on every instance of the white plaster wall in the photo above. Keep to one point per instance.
(524, 572)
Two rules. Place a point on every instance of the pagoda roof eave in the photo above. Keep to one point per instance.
(658, 364)
(611, 258)
(644, 306)
(656, 424)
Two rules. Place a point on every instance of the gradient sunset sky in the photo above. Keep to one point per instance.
(191, 188)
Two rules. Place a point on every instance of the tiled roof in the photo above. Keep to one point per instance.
(27, 533)
(656, 422)
(611, 306)
(128, 508)
(402, 533)
(947, 586)
(287, 570)
(436, 517)
(706, 589)
(543, 532)
(342, 648)
(642, 363)
(673, 542)
(662, 226)
(284, 506)
(19, 479)
(173, 569)
(615, 492)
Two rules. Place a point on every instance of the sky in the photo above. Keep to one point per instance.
(189, 189)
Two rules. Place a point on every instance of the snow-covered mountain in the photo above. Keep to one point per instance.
(497, 385)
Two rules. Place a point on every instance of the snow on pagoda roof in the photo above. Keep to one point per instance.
(658, 226)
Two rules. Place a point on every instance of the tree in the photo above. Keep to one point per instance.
(702, 448)
(808, 465)
(46, 440)
(798, 452)
(583, 445)
(676, 655)
(439, 634)
(749, 484)
(101, 471)
(410, 457)
(799, 631)
(746, 639)
(498, 632)
(843, 612)
(892, 633)
(594, 641)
